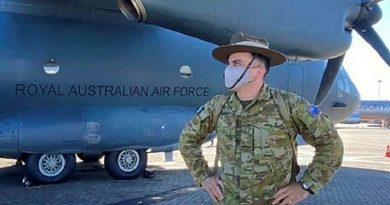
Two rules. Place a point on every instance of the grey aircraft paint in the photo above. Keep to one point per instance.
(115, 93)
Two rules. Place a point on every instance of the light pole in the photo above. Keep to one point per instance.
(379, 89)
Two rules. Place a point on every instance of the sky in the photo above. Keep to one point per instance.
(365, 66)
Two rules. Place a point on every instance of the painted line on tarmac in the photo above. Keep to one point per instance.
(361, 142)
(363, 157)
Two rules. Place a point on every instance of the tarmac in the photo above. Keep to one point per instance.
(364, 178)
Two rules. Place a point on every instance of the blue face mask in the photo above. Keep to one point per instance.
(236, 76)
(233, 75)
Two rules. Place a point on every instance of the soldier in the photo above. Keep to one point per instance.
(256, 127)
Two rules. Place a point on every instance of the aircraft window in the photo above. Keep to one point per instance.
(51, 67)
(340, 86)
(185, 71)
(346, 85)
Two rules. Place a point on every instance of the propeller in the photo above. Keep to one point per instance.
(330, 73)
(370, 14)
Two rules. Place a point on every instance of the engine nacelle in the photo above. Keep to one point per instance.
(312, 32)
(178, 16)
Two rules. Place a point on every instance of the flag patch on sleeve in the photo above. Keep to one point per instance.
(313, 110)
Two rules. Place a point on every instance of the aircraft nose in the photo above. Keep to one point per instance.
(348, 94)
(344, 98)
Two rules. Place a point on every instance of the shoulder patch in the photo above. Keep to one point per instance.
(200, 109)
(313, 110)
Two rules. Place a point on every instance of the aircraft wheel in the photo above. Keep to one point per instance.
(126, 164)
(50, 168)
(89, 157)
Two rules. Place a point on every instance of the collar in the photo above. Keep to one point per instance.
(263, 95)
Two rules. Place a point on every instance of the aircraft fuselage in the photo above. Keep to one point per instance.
(71, 86)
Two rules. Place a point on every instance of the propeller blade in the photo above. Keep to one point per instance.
(370, 14)
(371, 36)
(332, 68)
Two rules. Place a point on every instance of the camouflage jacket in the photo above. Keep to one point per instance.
(255, 149)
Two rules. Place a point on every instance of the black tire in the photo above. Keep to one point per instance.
(35, 166)
(118, 171)
(90, 157)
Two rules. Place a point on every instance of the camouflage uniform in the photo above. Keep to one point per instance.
(255, 149)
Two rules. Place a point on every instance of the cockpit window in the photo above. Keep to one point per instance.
(343, 86)
(340, 86)
(346, 85)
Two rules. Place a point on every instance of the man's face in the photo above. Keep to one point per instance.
(242, 59)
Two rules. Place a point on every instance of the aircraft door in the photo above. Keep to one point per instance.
(295, 79)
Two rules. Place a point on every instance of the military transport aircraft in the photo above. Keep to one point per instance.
(78, 77)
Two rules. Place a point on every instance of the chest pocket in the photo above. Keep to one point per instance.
(226, 130)
(270, 139)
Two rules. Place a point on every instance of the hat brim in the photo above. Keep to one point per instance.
(222, 53)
